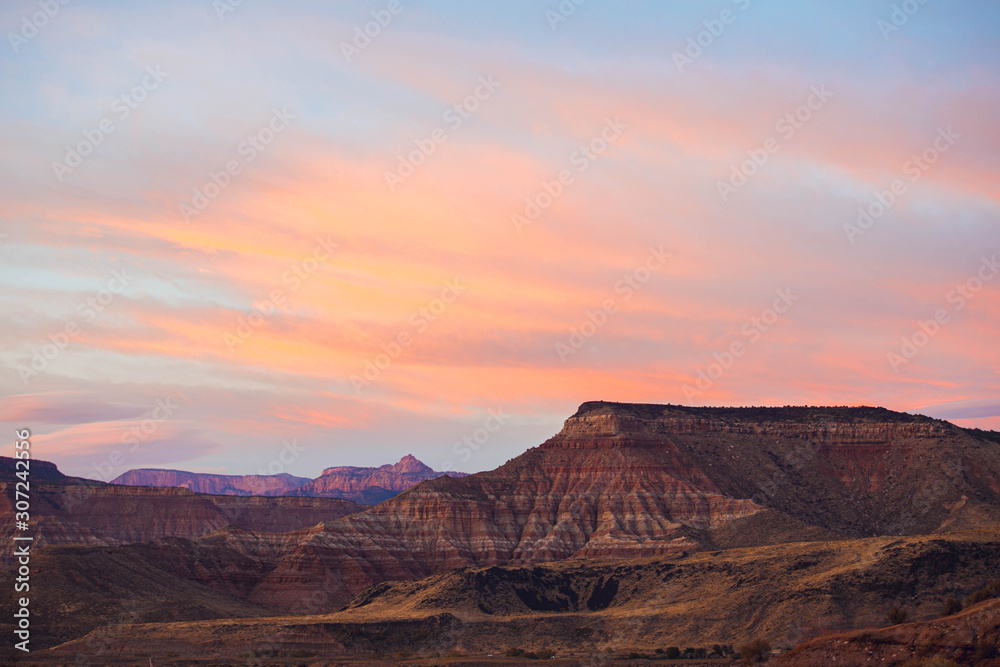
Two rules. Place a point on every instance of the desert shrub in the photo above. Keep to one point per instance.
(896, 615)
(545, 654)
(755, 652)
(991, 590)
(951, 606)
(985, 651)
(673, 652)
(514, 652)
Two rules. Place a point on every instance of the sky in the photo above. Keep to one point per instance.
(246, 237)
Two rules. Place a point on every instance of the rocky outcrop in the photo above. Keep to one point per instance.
(371, 485)
(229, 485)
(40, 472)
(600, 424)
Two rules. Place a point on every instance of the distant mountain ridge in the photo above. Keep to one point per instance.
(635, 526)
(368, 486)
(218, 485)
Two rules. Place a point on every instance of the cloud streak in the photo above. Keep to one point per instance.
(323, 177)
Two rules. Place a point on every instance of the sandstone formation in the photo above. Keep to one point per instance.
(67, 510)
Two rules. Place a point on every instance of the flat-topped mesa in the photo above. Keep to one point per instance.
(599, 424)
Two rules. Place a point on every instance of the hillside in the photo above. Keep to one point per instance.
(787, 594)
(624, 481)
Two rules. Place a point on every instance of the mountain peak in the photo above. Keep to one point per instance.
(411, 464)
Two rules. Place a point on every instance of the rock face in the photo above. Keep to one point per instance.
(371, 485)
(220, 485)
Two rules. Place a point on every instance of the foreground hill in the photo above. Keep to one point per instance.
(970, 637)
(621, 483)
(786, 594)
(222, 485)
(368, 486)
